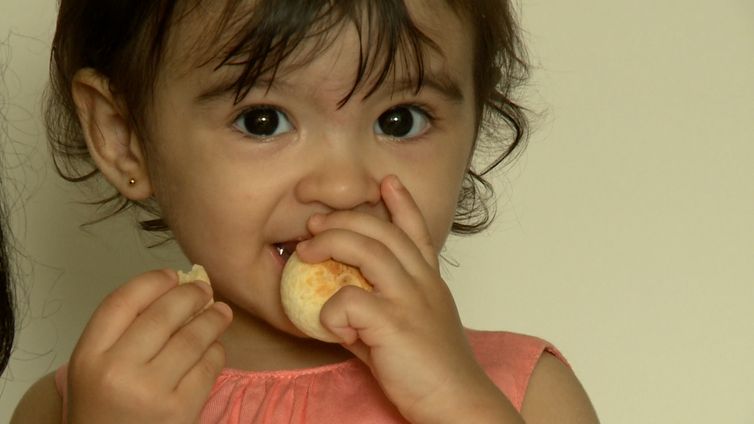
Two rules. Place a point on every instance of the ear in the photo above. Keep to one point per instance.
(112, 141)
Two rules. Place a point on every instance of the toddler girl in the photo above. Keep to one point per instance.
(252, 129)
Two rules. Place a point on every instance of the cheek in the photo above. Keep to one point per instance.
(191, 204)
(185, 179)
(173, 190)
(437, 197)
(438, 189)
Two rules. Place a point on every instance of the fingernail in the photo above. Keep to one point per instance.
(302, 244)
(223, 308)
(395, 183)
(317, 219)
(204, 286)
(170, 274)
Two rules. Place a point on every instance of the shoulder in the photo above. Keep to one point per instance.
(41, 403)
(534, 375)
(554, 394)
(510, 351)
(509, 359)
(497, 343)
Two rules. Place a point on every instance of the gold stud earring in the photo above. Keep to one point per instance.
(131, 181)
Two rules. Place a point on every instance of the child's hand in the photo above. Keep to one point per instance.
(408, 332)
(149, 354)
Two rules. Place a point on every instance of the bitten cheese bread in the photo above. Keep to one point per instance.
(304, 289)
(197, 273)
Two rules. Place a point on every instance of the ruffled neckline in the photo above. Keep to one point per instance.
(342, 366)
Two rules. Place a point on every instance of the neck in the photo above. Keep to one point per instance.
(252, 345)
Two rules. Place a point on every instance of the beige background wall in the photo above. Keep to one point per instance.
(625, 234)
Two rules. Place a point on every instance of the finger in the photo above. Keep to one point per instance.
(360, 350)
(121, 307)
(407, 216)
(151, 330)
(376, 262)
(353, 315)
(198, 382)
(186, 347)
(393, 237)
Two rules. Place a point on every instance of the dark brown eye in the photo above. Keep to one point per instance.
(263, 122)
(402, 122)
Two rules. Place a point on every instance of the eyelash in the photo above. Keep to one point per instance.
(253, 108)
(424, 109)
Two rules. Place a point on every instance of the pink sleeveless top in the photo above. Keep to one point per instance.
(346, 392)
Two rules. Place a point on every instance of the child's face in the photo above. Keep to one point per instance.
(234, 181)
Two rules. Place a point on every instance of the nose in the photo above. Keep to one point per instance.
(340, 180)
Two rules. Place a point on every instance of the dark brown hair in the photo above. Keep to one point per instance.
(126, 42)
(7, 293)
(7, 288)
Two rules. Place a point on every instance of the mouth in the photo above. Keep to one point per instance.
(285, 249)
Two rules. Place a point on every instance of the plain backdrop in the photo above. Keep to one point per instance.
(624, 235)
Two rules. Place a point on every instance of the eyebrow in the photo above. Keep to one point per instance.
(439, 82)
(442, 83)
(227, 88)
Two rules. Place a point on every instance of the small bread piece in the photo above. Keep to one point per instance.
(304, 289)
(197, 273)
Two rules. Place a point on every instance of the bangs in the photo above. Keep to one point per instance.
(274, 36)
